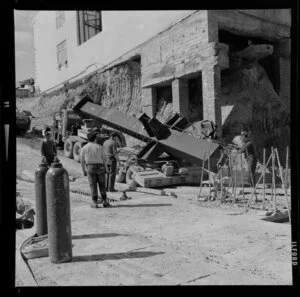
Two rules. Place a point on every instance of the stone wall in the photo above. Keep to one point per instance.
(183, 49)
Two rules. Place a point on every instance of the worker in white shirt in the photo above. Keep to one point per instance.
(93, 167)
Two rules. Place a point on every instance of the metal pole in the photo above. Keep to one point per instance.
(201, 180)
(264, 172)
(273, 180)
(284, 187)
(235, 185)
(221, 199)
(286, 167)
(272, 190)
(242, 175)
(249, 200)
(209, 173)
(230, 171)
(251, 177)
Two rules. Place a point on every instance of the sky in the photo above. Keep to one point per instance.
(24, 48)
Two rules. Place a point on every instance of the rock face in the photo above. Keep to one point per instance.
(249, 101)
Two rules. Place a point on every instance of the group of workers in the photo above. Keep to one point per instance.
(99, 163)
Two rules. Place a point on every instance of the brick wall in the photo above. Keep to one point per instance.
(180, 50)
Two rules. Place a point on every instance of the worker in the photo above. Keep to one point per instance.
(48, 149)
(111, 158)
(208, 130)
(93, 167)
(247, 148)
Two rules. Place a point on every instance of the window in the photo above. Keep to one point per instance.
(60, 19)
(62, 55)
(88, 24)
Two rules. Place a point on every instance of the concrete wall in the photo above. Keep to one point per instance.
(248, 24)
(192, 46)
(181, 50)
(280, 16)
(184, 49)
(122, 30)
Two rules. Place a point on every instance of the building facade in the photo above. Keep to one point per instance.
(181, 53)
(67, 42)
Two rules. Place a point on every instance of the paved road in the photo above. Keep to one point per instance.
(153, 240)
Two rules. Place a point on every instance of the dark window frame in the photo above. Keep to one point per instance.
(89, 24)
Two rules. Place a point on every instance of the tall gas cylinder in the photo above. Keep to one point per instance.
(40, 199)
(58, 214)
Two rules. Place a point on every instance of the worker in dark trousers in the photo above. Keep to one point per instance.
(110, 154)
(93, 167)
(247, 148)
(48, 149)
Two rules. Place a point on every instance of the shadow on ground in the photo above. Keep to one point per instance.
(142, 205)
(116, 256)
(86, 236)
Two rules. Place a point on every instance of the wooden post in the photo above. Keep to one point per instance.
(201, 180)
(282, 180)
(264, 180)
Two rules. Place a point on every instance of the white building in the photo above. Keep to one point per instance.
(70, 42)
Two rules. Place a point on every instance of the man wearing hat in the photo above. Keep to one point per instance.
(246, 147)
(48, 149)
(93, 167)
(110, 153)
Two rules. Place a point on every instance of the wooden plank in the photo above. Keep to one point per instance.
(151, 191)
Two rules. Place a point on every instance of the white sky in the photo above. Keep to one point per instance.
(24, 49)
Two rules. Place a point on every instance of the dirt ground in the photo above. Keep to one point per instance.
(157, 240)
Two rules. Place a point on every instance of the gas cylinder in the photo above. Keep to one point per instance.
(40, 199)
(58, 214)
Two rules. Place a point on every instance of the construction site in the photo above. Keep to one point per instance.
(189, 207)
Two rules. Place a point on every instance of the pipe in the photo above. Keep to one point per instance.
(264, 181)
(284, 186)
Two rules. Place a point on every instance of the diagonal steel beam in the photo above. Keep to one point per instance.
(175, 143)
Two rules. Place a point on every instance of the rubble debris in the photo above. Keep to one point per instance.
(24, 214)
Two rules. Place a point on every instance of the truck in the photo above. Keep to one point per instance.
(70, 132)
(23, 121)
